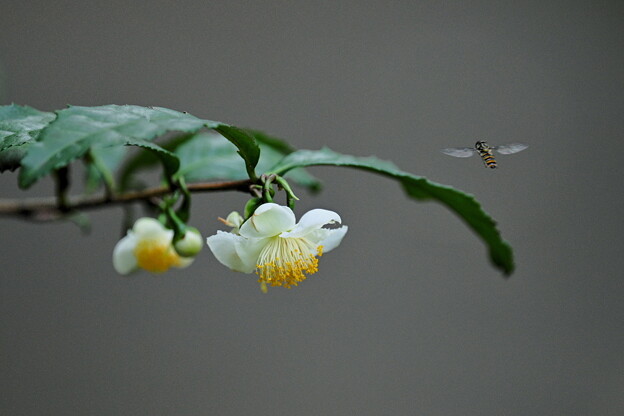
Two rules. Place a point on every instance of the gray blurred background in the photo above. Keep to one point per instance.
(407, 316)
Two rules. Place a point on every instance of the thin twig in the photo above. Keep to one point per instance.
(48, 208)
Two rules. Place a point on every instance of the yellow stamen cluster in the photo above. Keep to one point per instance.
(286, 261)
(156, 256)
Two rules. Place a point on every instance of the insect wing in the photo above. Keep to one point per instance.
(508, 149)
(459, 151)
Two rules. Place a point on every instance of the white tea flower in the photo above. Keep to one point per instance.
(147, 246)
(271, 243)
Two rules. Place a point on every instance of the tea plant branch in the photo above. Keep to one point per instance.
(49, 209)
(200, 151)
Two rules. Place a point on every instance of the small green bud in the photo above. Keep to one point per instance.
(251, 206)
(190, 244)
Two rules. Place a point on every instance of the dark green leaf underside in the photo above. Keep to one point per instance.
(271, 141)
(464, 205)
(246, 144)
(208, 156)
(170, 161)
(146, 160)
(110, 158)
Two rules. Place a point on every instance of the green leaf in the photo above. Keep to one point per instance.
(209, 156)
(145, 160)
(271, 141)
(170, 161)
(76, 129)
(247, 147)
(19, 126)
(103, 161)
(464, 205)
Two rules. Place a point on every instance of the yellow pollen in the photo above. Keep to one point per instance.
(155, 256)
(286, 261)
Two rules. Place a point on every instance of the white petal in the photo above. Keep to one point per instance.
(151, 229)
(223, 246)
(312, 220)
(328, 238)
(124, 260)
(236, 252)
(267, 221)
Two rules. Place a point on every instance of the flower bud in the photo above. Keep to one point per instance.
(190, 244)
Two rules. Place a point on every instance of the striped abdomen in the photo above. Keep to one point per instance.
(488, 157)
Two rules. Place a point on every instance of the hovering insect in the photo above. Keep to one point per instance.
(485, 151)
